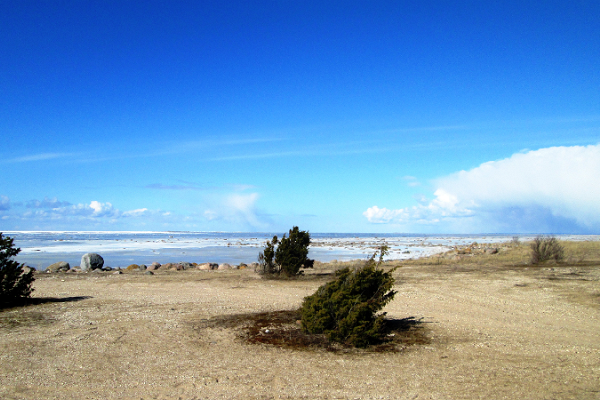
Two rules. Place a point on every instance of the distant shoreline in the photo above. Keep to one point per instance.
(119, 249)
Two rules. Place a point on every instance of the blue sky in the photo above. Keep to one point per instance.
(354, 116)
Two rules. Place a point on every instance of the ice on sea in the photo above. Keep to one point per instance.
(40, 249)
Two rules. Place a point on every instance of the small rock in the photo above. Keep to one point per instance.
(154, 266)
(148, 273)
(186, 265)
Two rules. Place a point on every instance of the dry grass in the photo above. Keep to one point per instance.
(282, 329)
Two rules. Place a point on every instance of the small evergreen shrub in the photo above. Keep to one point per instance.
(14, 283)
(546, 248)
(345, 309)
(286, 256)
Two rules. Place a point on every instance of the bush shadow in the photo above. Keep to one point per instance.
(283, 329)
(41, 300)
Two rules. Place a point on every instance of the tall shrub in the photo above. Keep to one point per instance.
(286, 256)
(345, 309)
(15, 284)
(546, 248)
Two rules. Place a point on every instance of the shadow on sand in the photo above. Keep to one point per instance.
(283, 329)
(42, 300)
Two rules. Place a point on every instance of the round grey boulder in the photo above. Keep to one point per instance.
(91, 261)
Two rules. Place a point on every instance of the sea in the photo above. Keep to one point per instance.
(39, 249)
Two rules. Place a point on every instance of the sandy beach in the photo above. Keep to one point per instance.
(493, 330)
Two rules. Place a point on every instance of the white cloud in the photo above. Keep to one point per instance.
(47, 203)
(411, 181)
(4, 203)
(135, 213)
(40, 157)
(236, 208)
(552, 189)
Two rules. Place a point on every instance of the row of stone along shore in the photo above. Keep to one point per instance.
(92, 262)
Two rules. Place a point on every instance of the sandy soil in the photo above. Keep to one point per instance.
(494, 333)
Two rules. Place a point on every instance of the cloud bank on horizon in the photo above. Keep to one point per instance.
(555, 189)
(550, 190)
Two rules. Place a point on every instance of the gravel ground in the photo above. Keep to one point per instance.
(493, 333)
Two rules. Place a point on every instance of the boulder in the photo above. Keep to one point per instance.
(242, 266)
(186, 265)
(154, 266)
(148, 273)
(205, 267)
(91, 261)
(177, 267)
(491, 250)
(27, 269)
(143, 267)
(224, 266)
(133, 267)
(58, 266)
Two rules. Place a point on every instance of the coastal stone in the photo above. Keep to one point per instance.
(118, 272)
(148, 273)
(27, 269)
(224, 266)
(242, 266)
(58, 266)
(173, 266)
(133, 267)
(107, 269)
(96, 271)
(91, 261)
(186, 265)
(154, 266)
(491, 250)
(205, 267)
(142, 267)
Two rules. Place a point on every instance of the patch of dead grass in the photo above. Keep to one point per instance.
(282, 329)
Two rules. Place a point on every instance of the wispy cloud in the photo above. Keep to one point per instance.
(196, 186)
(238, 209)
(47, 203)
(4, 203)
(553, 188)
(39, 157)
(162, 186)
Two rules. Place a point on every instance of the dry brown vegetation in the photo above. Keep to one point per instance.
(469, 325)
